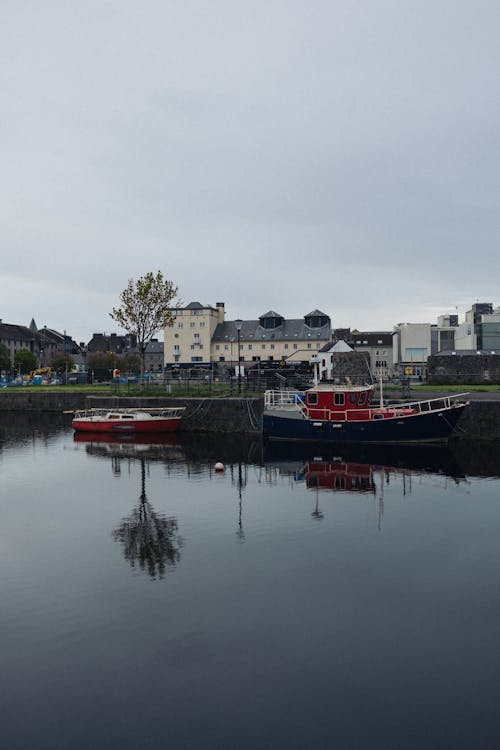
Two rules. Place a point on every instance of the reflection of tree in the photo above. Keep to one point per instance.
(149, 539)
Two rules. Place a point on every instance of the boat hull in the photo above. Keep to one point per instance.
(434, 426)
(133, 427)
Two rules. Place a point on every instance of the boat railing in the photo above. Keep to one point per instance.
(431, 404)
(170, 411)
(284, 400)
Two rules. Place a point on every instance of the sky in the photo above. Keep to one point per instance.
(271, 154)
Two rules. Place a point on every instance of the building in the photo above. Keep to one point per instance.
(114, 343)
(412, 345)
(127, 344)
(16, 337)
(201, 337)
(50, 343)
(378, 346)
(188, 341)
(480, 330)
(153, 359)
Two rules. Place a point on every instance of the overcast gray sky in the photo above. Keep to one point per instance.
(270, 154)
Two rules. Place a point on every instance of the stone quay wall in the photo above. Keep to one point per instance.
(217, 415)
(480, 421)
(463, 368)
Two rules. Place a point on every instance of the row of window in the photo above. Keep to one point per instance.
(339, 398)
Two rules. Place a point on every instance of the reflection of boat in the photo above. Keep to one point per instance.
(128, 421)
(339, 476)
(437, 459)
(157, 446)
(345, 413)
(113, 438)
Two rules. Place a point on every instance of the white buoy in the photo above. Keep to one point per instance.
(219, 466)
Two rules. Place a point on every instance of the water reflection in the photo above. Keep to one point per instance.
(361, 470)
(150, 541)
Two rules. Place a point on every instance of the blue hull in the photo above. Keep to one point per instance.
(433, 426)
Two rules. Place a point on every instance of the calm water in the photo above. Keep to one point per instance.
(300, 599)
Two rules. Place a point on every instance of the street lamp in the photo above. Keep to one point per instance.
(238, 323)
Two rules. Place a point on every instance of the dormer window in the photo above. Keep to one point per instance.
(271, 320)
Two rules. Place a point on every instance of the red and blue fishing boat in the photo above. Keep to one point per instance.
(346, 413)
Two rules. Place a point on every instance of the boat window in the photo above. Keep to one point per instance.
(378, 416)
(362, 399)
(352, 398)
(312, 398)
(338, 399)
(127, 416)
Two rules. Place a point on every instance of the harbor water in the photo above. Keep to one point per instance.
(303, 597)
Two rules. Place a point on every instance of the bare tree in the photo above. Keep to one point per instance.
(146, 308)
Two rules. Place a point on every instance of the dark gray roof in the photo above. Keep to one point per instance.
(154, 347)
(374, 338)
(10, 331)
(289, 330)
(316, 314)
(271, 314)
(194, 306)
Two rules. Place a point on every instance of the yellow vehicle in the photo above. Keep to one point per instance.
(45, 372)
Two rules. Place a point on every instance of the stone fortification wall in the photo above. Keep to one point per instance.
(463, 368)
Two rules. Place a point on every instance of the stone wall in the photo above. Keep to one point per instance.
(219, 415)
(463, 368)
(480, 421)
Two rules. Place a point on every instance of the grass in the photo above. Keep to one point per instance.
(216, 390)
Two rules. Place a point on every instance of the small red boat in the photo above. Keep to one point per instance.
(128, 421)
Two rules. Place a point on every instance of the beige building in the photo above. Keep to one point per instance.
(201, 337)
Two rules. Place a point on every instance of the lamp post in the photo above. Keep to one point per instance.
(238, 323)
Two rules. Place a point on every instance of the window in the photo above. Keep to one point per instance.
(196, 336)
(217, 348)
(222, 359)
(255, 359)
(180, 325)
(312, 398)
(352, 398)
(272, 346)
(362, 399)
(202, 324)
(263, 346)
(295, 346)
(338, 399)
(249, 347)
(177, 348)
(192, 325)
(309, 346)
(196, 359)
(176, 335)
(286, 346)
